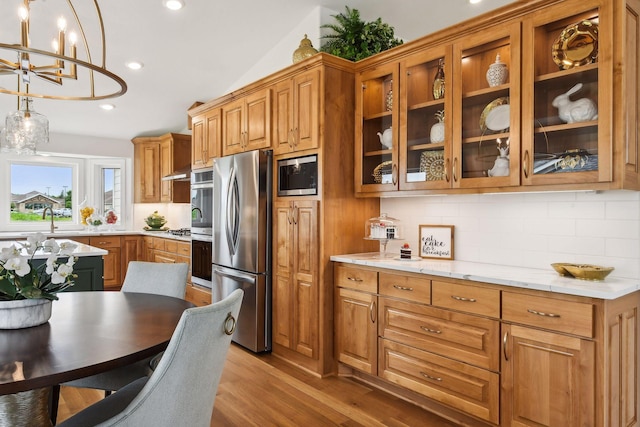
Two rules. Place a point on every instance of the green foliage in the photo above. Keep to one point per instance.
(354, 39)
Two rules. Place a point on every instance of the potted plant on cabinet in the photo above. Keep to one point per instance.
(354, 39)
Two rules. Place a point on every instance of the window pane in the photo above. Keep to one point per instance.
(35, 187)
(112, 191)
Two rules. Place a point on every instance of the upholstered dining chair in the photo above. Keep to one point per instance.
(143, 277)
(182, 389)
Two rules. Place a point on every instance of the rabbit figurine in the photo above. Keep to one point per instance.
(581, 110)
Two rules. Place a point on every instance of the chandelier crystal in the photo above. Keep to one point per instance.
(24, 129)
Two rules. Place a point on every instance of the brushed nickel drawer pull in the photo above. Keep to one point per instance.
(504, 346)
(463, 299)
(540, 313)
(429, 377)
(403, 288)
(354, 279)
(433, 331)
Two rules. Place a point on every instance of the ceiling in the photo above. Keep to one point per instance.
(199, 52)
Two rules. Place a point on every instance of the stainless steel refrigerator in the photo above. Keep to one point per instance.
(241, 251)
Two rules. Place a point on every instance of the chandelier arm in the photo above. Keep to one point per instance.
(86, 45)
(89, 66)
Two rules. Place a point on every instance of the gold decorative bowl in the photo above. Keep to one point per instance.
(582, 271)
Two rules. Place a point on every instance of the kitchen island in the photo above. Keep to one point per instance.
(490, 345)
(89, 266)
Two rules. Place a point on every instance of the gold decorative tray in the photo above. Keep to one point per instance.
(582, 271)
(377, 172)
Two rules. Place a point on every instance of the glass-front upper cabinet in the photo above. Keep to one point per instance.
(564, 140)
(377, 129)
(425, 120)
(486, 109)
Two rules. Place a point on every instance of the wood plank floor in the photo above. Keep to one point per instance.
(265, 391)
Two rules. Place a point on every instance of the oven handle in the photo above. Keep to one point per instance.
(202, 185)
(247, 278)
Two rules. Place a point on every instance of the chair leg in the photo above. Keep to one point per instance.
(107, 393)
(54, 399)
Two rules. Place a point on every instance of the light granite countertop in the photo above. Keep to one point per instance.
(70, 234)
(539, 279)
(81, 250)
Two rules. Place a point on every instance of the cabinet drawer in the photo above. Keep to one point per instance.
(156, 243)
(412, 288)
(177, 247)
(105, 241)
(197, 295)
(472, 299)
(458, 385)
(571, 317)
(356, 278)
(470, 339)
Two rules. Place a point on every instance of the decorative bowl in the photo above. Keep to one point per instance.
(155, 220)
(582, 271)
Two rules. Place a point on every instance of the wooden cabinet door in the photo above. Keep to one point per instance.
(295, 288)
(213, 137)
(305, 280)
(147, 172)
(356, 330)
(547, 379)
(131, 250)
(282, 263)
(282, 118)
(377, 111)
(112, 275)
(257, 132)
(233, 127)
(306, 110)
(166, 168)
(198, 142)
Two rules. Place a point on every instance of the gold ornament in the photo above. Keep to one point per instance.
(304, 51)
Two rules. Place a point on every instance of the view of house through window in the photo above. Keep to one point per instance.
(111, 190)
(36, 187)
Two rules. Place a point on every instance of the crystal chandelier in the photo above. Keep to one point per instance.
(42, 73)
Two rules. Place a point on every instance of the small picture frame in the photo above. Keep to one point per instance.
(436, 241)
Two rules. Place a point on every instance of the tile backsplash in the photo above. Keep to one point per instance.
(531, 229)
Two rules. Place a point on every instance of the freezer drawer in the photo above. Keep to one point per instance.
(253, 329)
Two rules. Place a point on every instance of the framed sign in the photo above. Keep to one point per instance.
(436, 241)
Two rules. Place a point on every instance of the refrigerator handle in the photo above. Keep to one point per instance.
(233, 212)
(247, 278)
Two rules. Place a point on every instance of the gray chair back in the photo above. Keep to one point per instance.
(182, 389)
(156, 278)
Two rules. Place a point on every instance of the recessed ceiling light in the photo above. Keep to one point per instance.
(107, 107)
(173, 4)
(135, 65)
(474, 1)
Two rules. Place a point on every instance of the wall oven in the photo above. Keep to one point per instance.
(201, 223)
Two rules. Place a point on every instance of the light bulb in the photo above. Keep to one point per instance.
(73, 38)
(62, 24)
(23, 13)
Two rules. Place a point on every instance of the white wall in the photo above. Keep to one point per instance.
(531, 229)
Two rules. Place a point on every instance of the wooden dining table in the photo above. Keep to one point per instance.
(88, 333)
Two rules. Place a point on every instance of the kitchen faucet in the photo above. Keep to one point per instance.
(44, 215)
(197, 209)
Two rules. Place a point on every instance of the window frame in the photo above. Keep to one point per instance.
(86, 183)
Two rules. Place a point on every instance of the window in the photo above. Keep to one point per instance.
(41, 186)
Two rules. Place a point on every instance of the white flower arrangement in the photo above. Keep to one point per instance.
(20, 279)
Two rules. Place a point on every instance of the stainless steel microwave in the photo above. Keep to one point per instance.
(298, 176)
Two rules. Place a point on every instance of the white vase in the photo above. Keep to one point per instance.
(497, 73)
(437, 132)
(24, 313)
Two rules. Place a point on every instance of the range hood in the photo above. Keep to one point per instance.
(179, 175)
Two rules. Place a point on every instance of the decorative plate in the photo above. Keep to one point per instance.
(576, 45)
(156, 229)
(377, 172)
(496, 115)
(432, 164)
